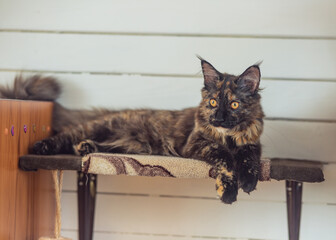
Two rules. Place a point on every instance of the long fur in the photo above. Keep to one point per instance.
(227, 137)
(43, 88)
(32, 88)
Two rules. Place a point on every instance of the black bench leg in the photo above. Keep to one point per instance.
(294, 203)
(86, 194)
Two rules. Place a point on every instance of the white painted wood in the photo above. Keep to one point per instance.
(69, 180)
(166, 55)
(194, 217)
(286, 99)
(149, 236)
(298, 99)
(191, 217)
(69, 211)
(72, 234)
(262, 17)
(300, 140)
(185, 188)
(318, 222)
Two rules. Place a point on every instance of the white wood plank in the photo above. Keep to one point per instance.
(71, 234)
(166, 55)
(262, 17)
(156, 216)
(184, 188)
(191, 217)
(149, 236)
(69, 181)
(300, 140)
(69, 211)
(286, 99)
(318, 222)
(137, 236)
(298, 99)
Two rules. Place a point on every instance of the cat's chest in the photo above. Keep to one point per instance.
(223, 138)
(227, 142)
(230, 143)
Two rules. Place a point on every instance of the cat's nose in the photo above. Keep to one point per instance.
(220, 117)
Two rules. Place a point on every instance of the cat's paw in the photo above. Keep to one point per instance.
(45, 147)
(85, 147)
(227, 190)
(248, 180)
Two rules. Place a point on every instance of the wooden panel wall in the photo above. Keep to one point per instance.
(27, 198)
(131, 54)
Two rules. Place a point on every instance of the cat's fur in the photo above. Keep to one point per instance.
(225, 137)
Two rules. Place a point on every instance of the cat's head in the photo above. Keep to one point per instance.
(229, 101)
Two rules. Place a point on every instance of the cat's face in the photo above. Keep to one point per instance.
(230, 101)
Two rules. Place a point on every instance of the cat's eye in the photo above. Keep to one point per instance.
(234, 105)
(213, 102)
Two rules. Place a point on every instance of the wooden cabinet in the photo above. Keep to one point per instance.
(27, 202)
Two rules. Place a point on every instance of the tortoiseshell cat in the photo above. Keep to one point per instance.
(224, 130)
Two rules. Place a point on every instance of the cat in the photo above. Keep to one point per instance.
(224, 130)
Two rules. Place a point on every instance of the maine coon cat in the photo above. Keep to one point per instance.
(224, 130)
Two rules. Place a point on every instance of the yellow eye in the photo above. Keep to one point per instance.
(213, 102)
(234, 105)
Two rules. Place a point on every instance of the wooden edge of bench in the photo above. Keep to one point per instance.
(50, 162)
(274, 168)
(296, 170)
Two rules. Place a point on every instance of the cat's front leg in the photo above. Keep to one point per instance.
(226, 183)
(56, 145)
(248, 165)
(222, 160)
(63, 142)
(60, 143)
(85, 147)
(48, 146)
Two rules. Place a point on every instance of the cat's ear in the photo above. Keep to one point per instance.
(250, 79)
(210, 74)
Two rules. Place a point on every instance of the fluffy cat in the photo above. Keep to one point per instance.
(224, 130)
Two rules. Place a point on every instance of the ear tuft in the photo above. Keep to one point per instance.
(250, 79)
(210, 74)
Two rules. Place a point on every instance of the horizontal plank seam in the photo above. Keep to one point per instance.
(197, 197)
(308, 120)
(166, 34)
(301, 120)
(144, 74)
(159, 234)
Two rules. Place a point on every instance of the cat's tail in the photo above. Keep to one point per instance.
(39, 88)
(32, 88)
(43, 88)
